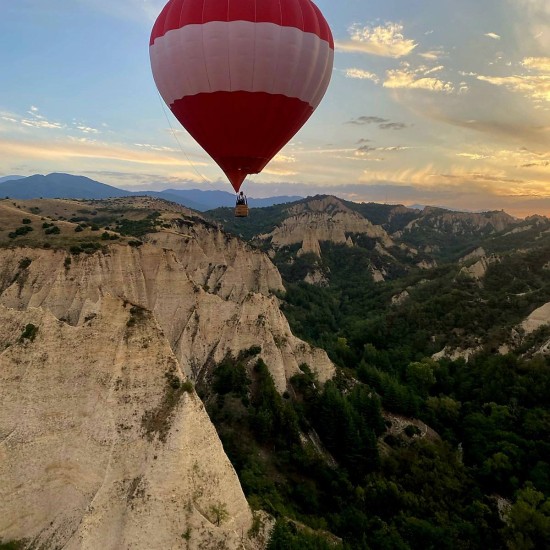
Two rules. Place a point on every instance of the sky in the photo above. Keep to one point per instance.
(433, 102)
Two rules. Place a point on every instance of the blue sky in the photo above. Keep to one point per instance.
(431, 101)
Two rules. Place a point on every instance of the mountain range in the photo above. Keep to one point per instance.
(59, 185)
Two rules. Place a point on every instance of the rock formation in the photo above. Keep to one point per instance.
(102, 445)
(206, 308)
(537, 319)
(103, 442)
(478, 269)
(323, 219)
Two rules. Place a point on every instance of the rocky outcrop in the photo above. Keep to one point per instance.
(202, 323)
(462, 223)
(478, 269)
(102, 444)
(323, 219)
(537, 319)
(458, 353)
(398, 299)
(479, 252)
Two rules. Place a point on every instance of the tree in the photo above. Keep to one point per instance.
(219, 512)
(528, 521)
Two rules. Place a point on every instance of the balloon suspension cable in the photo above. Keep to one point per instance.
(201, 176)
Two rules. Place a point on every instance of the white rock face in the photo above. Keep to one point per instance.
(200, 325)
(537, 319)
(479, 252)
(427, 264)
(325, 219)
(377, 275)
(479, 268)
(400, 298)
(97, 450)
(457, 353)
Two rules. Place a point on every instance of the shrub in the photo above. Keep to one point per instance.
(29, 333)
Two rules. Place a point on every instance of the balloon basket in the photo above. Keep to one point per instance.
(241, 211)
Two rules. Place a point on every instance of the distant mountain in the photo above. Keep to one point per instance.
(217, 199)
(10, 178)
(69, 186)
(58, 186)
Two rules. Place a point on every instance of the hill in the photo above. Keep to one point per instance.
(388, 258)
(58, 186)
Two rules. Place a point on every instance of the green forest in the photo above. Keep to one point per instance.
(327, 462)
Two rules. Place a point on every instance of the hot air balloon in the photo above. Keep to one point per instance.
(241, 76)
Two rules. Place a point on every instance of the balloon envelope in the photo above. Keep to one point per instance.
(242, 76)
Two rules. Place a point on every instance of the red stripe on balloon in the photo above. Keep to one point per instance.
(241, 131)
(302, 14)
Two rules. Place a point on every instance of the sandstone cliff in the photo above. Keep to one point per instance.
(210, 296)
(537, 319)
(323, 219)
(101, 443)
(462, 223)
(478, 269)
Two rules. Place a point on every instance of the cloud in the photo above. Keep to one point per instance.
(385, 41)
(534, 86)
(433, 55)
(472, 156)
(34, 120)
(66, 150)
(87, 129)
(284, 159)
(492, 35)
(360, 74)
(367, 120)
(544, 163)
(541, 64)
(367, 149)
(156, 147)
(382, 123)
(416, 79)
(392, 126)
(37, 123)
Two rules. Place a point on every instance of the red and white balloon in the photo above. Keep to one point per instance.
(242, 76)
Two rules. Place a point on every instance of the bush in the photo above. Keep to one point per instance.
(24, 263)
(29, 333)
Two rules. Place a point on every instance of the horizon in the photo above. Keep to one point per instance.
(430, 103)
(265, 195)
